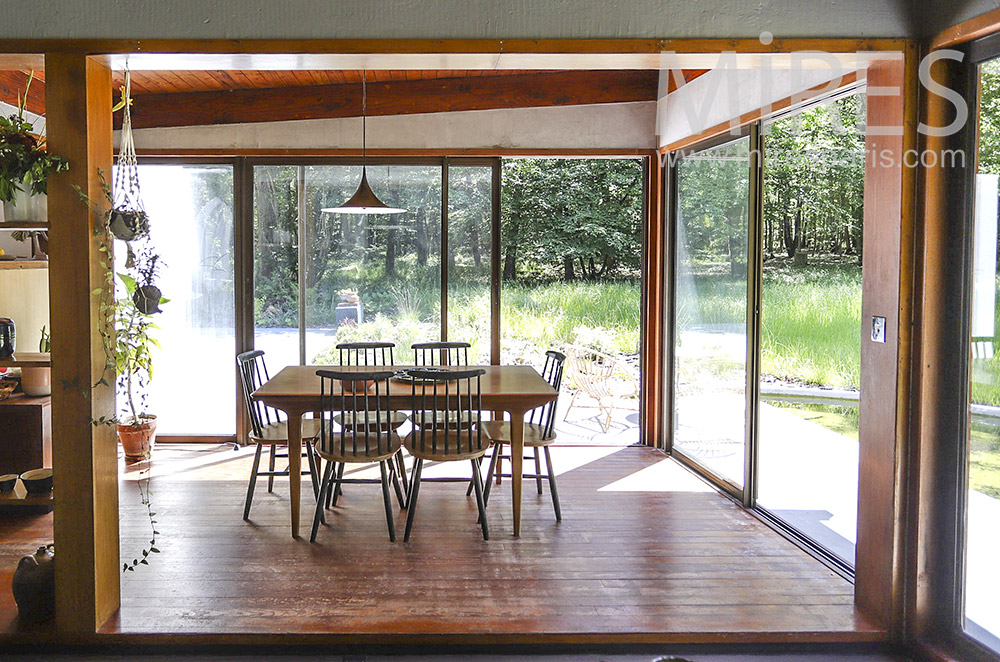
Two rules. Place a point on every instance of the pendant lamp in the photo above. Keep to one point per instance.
(364, 200)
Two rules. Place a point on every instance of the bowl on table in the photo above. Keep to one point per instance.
(37, 481)
(7, 482)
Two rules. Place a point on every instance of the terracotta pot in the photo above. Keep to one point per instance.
(137, 439)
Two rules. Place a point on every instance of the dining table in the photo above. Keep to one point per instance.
(514, 389)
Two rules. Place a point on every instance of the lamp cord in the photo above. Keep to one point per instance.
(364, 120)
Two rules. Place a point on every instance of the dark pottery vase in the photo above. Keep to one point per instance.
(6, 338)
(147, 299)
(34, 586)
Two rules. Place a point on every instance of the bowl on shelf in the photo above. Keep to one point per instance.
(7, 482)
(37, 481)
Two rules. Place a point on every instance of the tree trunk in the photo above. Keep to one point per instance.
(568, 268)
(510, 262)
(477, 257)
(390, 253)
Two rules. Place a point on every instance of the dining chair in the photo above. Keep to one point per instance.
(267, 428)
(457, 395)
(371, 353)
(539, 433)
(440, 353)
(366, 353)
(362, 399)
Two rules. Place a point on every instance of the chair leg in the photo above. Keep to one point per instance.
(313, 468)
(338, 479)
(328, 474)
(400, 497)
(388, 503)
(401, 465)
(494, 466)
(411, 500)
(477, 481)
(538, 471)
(319, 516)
(468, 492)
(571, 401)
(552, 484)
(330, 493)
(253, 481)
(270, 468)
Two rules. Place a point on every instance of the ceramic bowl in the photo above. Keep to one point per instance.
(359, 386)
(37, 481)
(7, 482)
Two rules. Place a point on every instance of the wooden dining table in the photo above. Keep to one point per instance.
(515, 389)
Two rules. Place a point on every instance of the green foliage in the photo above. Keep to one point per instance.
(24, 163)
(571, 218)
(133, 348)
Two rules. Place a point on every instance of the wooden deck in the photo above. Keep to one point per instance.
(646, 552)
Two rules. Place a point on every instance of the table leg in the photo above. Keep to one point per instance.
(295, 467)
(516, 462)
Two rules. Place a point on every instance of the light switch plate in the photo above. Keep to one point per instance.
(878, 329)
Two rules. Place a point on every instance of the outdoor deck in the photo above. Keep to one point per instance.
(646, 552)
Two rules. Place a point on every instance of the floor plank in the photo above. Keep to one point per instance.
(645, 552)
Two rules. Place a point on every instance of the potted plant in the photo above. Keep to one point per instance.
(25, 165)
(134, 360)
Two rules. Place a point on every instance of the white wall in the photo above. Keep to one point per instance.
(610, 126)
(449, 19)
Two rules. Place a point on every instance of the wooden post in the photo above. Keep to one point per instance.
(85, 457)
(653, 332)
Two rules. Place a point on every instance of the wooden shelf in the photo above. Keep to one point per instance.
(20, 498)
(24, 225)
(24, 263)
(27, 360)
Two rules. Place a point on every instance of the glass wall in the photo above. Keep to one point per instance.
(363, 277)
(470, 252)
(191, 216)
(710, 308)
(571, 246)
(810, 321)
(982, 511)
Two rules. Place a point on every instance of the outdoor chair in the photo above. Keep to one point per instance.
(458, 396)
(602, 378)
(267, 429)
(539, 433)
(363, 398)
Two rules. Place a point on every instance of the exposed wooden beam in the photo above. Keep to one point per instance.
(12, 85)
(393, 98)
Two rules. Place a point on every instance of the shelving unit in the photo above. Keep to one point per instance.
(13, 226)
(28, 360)
(20, 498)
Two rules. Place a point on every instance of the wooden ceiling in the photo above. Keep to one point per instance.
(191, 98)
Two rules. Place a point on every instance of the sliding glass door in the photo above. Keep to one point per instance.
(710, 309)
(767, 251)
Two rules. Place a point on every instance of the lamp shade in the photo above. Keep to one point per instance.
(364, 201)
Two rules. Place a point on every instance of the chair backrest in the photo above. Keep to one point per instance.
(552, 372)
(447, 416)
(253, 374)
(362, 399)
(366, 353)
(441, 353)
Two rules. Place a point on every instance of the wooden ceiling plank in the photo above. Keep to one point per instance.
(12, 86)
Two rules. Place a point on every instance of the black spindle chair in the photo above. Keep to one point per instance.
(362, 398)
(539, 432)
(268, 429)
(376, 354)
(459, 435)
(366, 353)
(441, 353)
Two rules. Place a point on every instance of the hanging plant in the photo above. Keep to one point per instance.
(24, 162)
(127, 219)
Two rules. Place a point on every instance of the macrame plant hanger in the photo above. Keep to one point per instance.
(128, 220)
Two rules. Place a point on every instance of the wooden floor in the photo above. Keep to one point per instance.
(646, 552)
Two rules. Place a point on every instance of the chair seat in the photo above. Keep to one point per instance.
(499, 431)
(454, 440)
(441, 419)
(381, 446)
(277, 433)
(396, 419)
